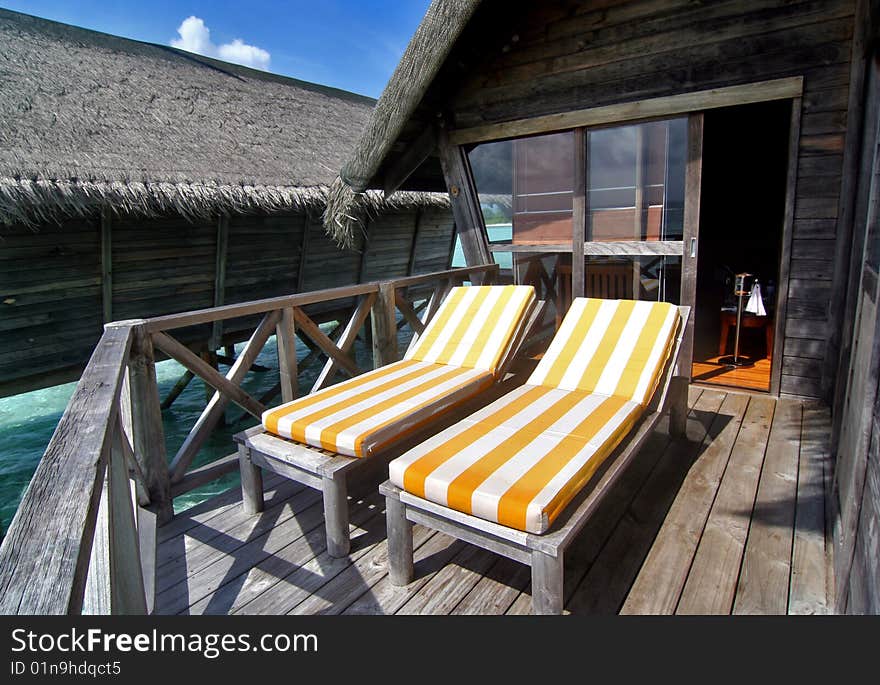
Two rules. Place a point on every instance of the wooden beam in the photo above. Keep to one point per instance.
(409, 313)
(203, 370)
(232, 311)
(678, 408)
(106, 264)
(781, 309)
(838, 307)
(310, 328)
(465, 203)
(142, 414)
(411, 264)
(222, 248)
(61, 503)
(285, 338)
(303, 253)
(216, 406)
(403, 167)
(384, 327)
(205, 474)
(662, 107)
(178, 388)
(346, 340)
(579, 214)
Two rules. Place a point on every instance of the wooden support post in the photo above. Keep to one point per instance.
(579, 214)
(148, 543)
(285, 338)
(384, 327)
(144, 423)
(222, 248)
(115, 583)
(178, 388)
(336, 514)
(400, 542)
(411, 264)
(465, 202)
(693, 173)
(251, 482)
(210, 358)
(303, 252)
(106, 264)
(547, 583)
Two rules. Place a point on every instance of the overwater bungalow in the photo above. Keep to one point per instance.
(138, 180)
(721, 157)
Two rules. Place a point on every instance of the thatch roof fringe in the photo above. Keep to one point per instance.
(426, 52)
(33, 202)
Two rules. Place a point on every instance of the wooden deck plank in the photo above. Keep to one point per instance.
(496, 591)
(211, 507)
(808, 592)
(278, 567)
(228, 566)
(386, 598)
(360, 576)
(309, 578)
(711, 584)
(766, 570)
(206, 545)
(679, 522)
(445, 590)
(659, 584)
(605, 586)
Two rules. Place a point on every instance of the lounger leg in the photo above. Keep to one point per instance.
(251, 482)
(336, 516)
(547, 575)
(400, 542)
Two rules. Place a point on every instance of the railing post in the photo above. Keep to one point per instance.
(142, 416)
(384, 326)
(285, 337)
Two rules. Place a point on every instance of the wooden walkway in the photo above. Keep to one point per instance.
(730, 520)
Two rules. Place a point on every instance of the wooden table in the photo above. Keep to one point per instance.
(728, 321)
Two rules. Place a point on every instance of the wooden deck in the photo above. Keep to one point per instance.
(730, 520)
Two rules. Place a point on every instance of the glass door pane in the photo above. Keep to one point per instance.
(635, 193)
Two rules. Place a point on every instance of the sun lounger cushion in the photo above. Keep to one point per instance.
(521, 460)
(454, 359)
(359, 416)
(475, 327)
(612, 347)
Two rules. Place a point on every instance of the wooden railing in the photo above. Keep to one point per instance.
(84, 537)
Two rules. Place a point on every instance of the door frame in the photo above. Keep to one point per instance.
(693, 105)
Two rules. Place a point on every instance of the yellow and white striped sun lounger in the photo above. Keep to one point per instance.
(461, 353)
(513, 467)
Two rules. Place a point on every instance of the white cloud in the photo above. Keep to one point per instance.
(196, 37)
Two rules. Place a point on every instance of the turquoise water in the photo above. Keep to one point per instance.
(27, 422)
(497, 233)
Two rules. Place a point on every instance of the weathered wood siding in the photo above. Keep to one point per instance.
(561, 56)
(50, 299)
(857, 472)
(51, 282)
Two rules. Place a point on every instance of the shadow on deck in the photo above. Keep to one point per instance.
(730, 520)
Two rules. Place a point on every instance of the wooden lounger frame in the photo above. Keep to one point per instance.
(544, 552)
(328, 471)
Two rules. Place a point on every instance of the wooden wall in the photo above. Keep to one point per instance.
(857, 412)
(561, 56)
(52, 284)
(50, 300)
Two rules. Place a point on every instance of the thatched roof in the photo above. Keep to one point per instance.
(91, 119)
(424, 56)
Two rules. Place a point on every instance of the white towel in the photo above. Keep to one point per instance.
(755, 305)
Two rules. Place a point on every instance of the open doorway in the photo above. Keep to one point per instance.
(742, 207)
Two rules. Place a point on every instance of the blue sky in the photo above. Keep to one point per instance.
(343, 43)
